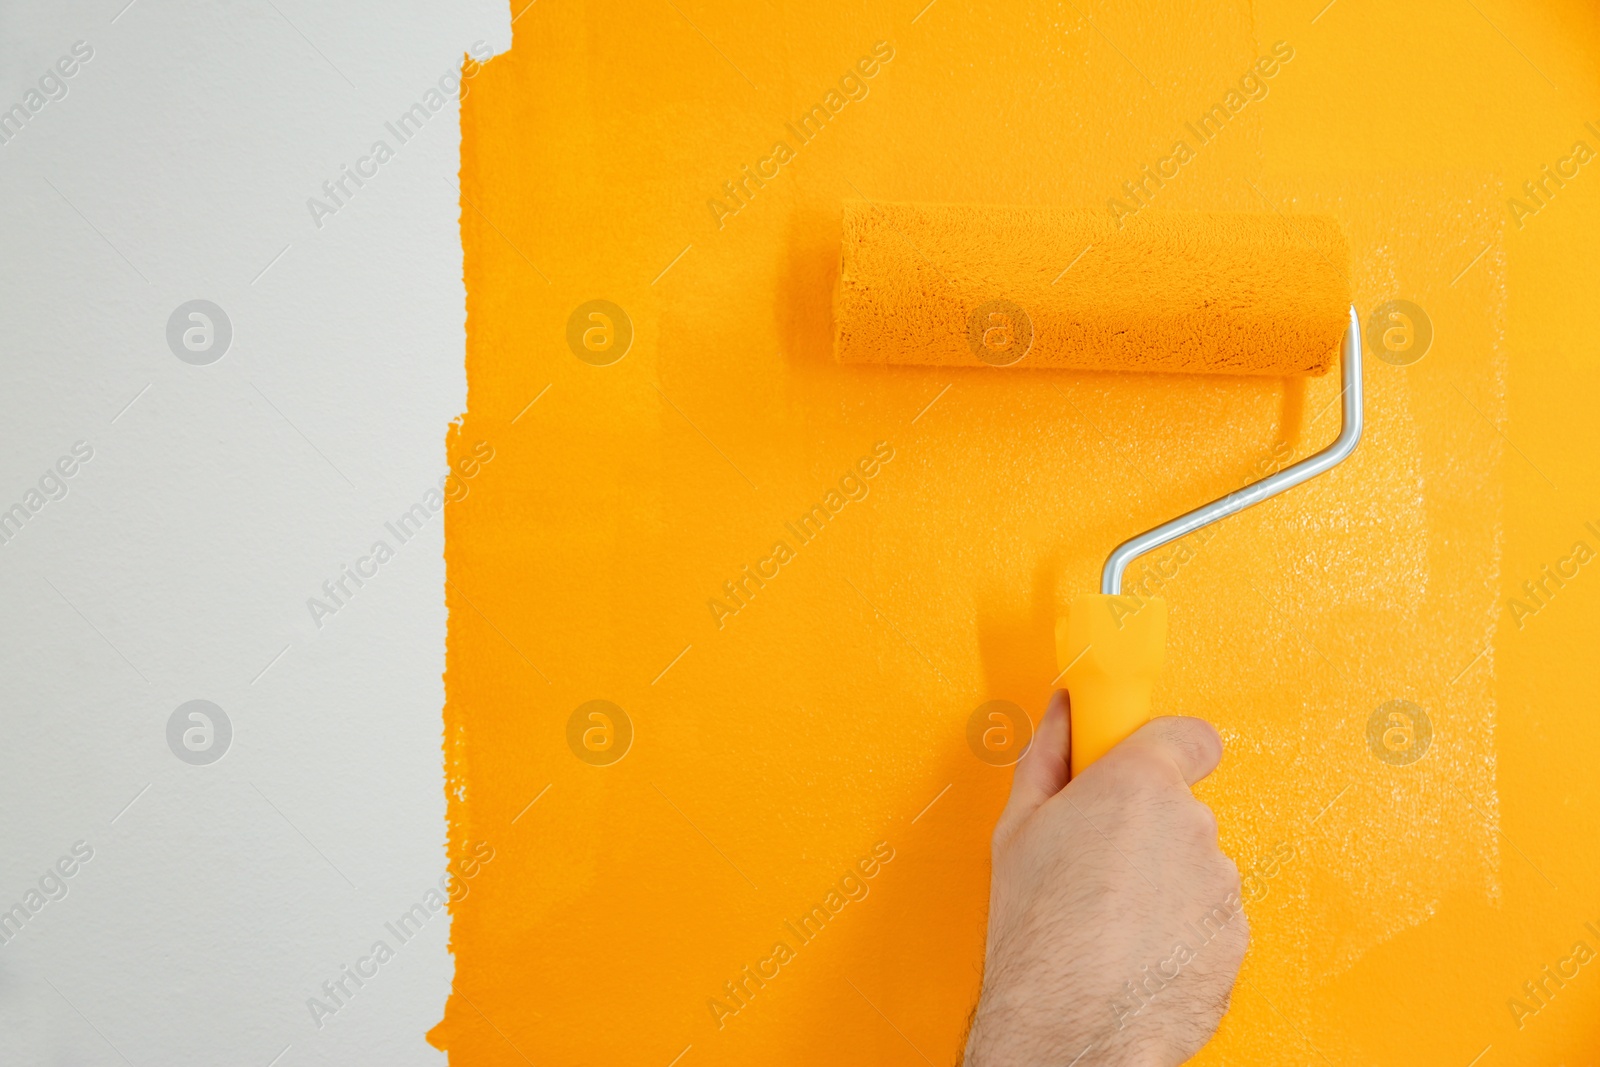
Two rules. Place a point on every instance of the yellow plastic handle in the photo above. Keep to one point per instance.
(1111, 648)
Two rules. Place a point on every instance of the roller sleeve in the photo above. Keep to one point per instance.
(1188, 293)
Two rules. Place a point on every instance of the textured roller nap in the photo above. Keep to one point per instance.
(1177, 293)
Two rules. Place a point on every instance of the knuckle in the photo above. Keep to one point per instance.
(1204, 822)
(1129, 771)
(1218, 879)
(1128, 758)
(1144, 767)
(1229, 873)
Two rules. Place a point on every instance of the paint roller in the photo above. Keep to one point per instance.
(1037, 287)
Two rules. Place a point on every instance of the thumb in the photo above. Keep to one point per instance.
(1043, 769)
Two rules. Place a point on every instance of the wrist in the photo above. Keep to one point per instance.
(998, 1039)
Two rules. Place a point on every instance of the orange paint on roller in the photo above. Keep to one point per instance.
(1196, 294)
(951, 285)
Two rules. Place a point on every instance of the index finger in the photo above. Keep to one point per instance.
(1192, 745)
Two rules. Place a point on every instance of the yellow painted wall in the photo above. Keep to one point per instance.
(775, 747)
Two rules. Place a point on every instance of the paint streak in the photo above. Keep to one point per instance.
(774, 748)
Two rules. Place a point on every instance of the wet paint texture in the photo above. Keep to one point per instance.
(792, 730)
(1170, 292)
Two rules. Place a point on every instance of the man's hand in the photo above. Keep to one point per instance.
(1115, 926)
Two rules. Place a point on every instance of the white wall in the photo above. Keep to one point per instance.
(218, 499)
